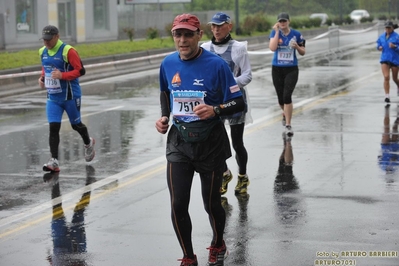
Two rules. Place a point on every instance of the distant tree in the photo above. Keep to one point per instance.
(299, 7)
(253, 6)
(335, 8)
(378, 6)
(202, 5)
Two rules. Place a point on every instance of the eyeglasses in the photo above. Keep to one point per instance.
(187, 34)
(282, 20)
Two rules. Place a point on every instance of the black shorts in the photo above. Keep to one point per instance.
(205, 156)
(390, 64)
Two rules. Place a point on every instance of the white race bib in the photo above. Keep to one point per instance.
(184, 103)
(285, 56)
(52, 85)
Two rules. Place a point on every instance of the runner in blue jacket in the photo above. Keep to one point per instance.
(388, 43)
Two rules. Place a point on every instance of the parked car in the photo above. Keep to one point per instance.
(358, 14)
(322, 16)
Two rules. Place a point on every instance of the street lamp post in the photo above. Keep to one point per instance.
(340, 11)
(397, 9)
(238, 30)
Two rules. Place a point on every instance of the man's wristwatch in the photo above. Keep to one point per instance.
(216, 109)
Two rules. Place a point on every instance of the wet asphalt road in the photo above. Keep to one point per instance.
(333, 201)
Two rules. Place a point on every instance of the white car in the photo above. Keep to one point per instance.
(322, 16)
(358, 14)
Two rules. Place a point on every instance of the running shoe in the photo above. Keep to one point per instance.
(227, 177)
(387, 100)
(217, 255)
(242, 184)
(288, 131)
(52, 166)
(189, 262)
(89, 150)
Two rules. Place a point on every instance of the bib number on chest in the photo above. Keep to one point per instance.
(185, 101)
(285, 56)
(52, 85)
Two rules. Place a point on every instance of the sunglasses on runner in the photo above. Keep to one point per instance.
(187, 34)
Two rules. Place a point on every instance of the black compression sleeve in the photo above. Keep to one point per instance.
(233, 106)
(165, 106)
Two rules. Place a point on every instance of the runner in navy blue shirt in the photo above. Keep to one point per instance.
(197, 87)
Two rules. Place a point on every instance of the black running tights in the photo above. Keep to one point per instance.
(54, 137)
(284, 81)
(180, 178)
(237, 134)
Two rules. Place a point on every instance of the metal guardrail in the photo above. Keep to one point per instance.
(25, 80)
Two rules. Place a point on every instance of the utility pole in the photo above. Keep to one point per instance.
(238, 29)
(397, 9)
(159, 6)
(340, 11)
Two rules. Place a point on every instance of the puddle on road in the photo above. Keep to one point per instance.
(133, 88)
(318, 75)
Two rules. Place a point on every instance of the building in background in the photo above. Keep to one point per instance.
(86, 21)
(21, 21)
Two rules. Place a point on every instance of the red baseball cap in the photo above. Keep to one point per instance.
(186, 21)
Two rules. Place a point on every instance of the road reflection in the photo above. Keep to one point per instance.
(239, 230)
(241, 255)
(288, 205)
(69, 239)
(388, 159)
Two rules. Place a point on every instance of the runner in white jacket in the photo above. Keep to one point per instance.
(236, 55)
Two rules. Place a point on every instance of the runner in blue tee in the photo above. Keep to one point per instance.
(197, 87)
(284, 42)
